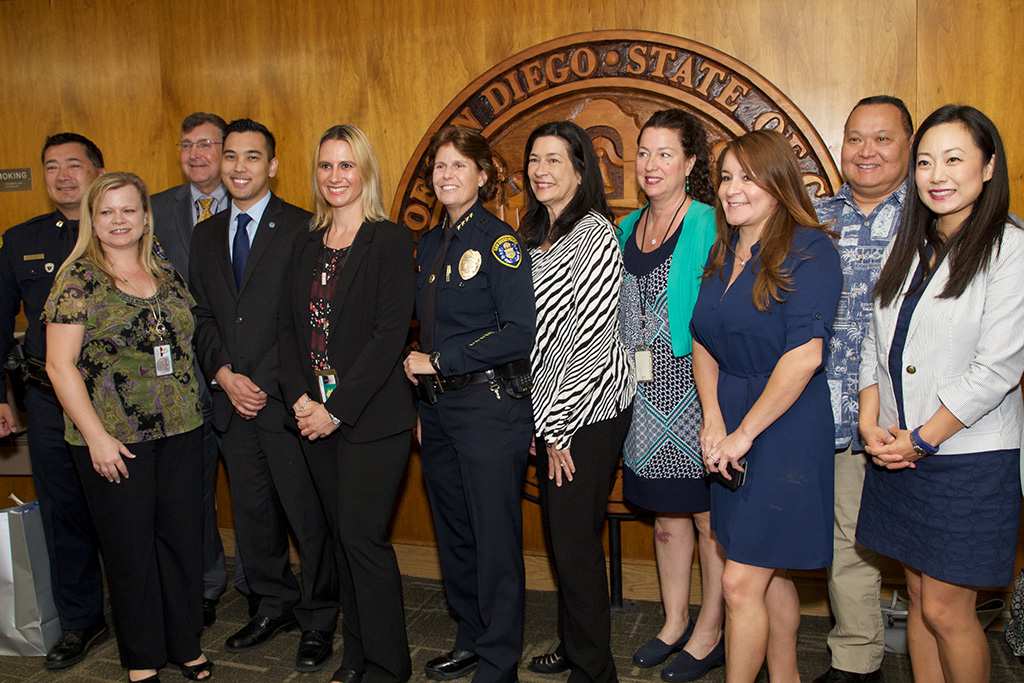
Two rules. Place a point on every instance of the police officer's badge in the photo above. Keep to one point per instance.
(506, 250)
(469, 264)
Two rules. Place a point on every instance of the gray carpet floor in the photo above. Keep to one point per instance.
(431, 632)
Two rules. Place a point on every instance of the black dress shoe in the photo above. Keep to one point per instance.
(74, 643)
(451, 665)
(258, 631)
(834, 675)
(314, 649)
(209, 612)
(346, 675)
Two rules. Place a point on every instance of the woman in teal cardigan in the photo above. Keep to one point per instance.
(665, 246)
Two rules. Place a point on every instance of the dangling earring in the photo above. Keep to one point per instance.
(687, 184)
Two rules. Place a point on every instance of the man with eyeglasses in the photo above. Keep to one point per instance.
(176, 213)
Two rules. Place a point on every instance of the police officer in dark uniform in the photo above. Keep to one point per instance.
(477, 317)
(30, 255)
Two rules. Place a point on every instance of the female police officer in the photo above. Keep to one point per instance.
(477, 317)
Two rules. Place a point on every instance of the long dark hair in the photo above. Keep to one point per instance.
(694, 140)
(768, 158)
(536, 224)
(970, 249)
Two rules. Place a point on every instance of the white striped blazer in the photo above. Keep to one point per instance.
(581, 372)
(965, 353)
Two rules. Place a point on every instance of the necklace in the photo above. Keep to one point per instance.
(158, 318)
(124, 278)
(654, 240)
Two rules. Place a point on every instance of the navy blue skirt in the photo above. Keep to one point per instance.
(953, 517)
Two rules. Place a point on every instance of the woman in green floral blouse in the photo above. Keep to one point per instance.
(119, 340)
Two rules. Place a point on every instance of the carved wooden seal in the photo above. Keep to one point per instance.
(610, 82)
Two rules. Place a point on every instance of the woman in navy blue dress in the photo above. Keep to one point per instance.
(940, 403)
(761, 328)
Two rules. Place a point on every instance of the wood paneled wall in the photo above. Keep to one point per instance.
(126, 73)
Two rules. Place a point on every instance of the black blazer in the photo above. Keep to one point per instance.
(238, 327)
(369, 324)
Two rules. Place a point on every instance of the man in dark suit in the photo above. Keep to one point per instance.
(176, 212)
(237, 267)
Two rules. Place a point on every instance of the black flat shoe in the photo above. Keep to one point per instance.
(257, 632)
(451, 665)
(314, 649)
(686, 667)
(73, 645)
(346, 675)
(551, 663)
(655, 651)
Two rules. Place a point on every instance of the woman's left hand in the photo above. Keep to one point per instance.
(728, 450)
(898, 454)
(559, 463)
(314, 421)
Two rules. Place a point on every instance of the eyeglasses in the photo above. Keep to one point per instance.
(203, 145)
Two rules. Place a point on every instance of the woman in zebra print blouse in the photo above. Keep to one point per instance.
(583, 386)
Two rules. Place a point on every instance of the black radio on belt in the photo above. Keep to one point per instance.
(515, 377)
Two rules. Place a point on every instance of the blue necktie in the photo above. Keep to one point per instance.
(241, 248)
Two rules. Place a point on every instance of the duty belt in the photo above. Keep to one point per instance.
(514, 377)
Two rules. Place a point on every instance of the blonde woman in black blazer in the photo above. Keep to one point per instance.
(351, 285)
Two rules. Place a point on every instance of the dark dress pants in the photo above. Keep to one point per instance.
(215, 577)
(150, 528)
(272, 490)
(573, 515)
(474, 455)
(358, 484)
(75, 573)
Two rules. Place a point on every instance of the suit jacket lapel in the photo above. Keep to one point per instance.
(264, 236)
(221, 250)
(360, 247)
(929, 296)
(185, 212)
(305, 274)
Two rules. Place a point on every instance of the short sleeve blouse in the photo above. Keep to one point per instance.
(117, 361)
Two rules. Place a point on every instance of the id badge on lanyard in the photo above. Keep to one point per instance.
(644, 364)
(162, 356)
(327, 380)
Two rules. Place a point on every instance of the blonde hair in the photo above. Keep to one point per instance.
(369, 174)
(88, 245)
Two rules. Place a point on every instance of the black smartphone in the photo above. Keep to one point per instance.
(738, 477)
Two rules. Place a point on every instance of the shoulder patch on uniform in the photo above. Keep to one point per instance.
(506, 250)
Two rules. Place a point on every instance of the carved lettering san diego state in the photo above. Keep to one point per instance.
(610, 82)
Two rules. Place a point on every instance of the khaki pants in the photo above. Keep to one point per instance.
(857, 641)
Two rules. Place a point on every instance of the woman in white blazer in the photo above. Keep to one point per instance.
(940, 403)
